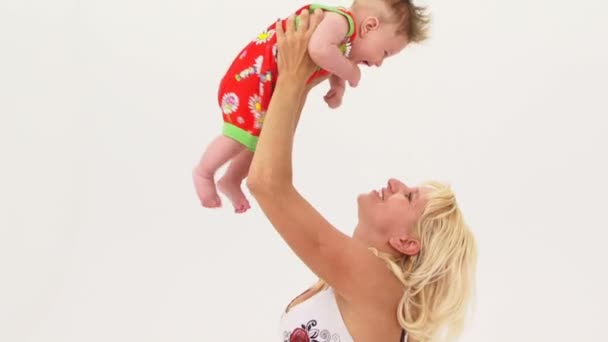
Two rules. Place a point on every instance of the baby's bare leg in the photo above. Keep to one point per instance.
(230, 183)
(221, 150)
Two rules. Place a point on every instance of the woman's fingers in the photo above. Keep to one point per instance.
(291, 25)
(303, 24)
(292, 40)
(308, 22)
(278, 28)
(315, 20)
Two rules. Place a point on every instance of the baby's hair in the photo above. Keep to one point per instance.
(412, 21)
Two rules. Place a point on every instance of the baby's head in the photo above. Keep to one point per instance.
(385, 27)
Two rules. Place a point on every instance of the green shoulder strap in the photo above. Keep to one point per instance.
(351, 22)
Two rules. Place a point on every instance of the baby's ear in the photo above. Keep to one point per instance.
(370, 24)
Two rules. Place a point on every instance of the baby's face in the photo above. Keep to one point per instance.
(373, 46)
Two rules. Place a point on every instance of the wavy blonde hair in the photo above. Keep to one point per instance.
(438, 282)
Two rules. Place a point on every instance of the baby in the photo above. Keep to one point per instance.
(366, 33)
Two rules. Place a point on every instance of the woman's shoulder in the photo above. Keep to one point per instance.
(371, 323)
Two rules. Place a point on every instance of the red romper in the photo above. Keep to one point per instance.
(246, 88)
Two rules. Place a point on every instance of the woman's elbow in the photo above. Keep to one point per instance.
(258, 184)
(257, 178)
(261, 186)
(254, 184)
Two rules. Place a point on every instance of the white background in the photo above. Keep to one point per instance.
(107, 105)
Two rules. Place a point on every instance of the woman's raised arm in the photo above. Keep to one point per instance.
(324, 249)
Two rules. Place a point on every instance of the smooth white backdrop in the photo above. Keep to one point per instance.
(106, 106)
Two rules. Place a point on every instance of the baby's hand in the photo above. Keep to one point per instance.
(355, 76)
(337, 86)
(333, 98)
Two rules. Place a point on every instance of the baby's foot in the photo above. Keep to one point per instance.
(233, 191)
(205, 190)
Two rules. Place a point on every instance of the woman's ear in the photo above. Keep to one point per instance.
(405, 245)
(369, 24)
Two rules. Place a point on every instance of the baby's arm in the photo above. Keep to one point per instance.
(324, 48)
(336, 82)
(336, 91)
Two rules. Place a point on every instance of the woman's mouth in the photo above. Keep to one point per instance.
(381, 194)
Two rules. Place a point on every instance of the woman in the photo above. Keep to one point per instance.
(419, 233)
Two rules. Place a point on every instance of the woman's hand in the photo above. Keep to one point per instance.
(293, 59)
(271, 167)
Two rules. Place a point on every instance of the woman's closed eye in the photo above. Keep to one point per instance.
(408, 196)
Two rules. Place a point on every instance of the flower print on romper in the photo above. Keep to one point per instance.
(346, 47)
(230, 103)
(255, 106)
(251, 70)
(264, 37)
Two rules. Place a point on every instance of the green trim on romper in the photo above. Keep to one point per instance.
(351, 23)
(240, 135)
(335, 9)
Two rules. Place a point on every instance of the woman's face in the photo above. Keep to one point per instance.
(387, 216)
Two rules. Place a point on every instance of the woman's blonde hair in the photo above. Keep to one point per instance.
(439, 281)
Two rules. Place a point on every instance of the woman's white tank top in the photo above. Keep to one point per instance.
(318, 318)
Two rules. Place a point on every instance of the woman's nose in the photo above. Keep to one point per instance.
(396, 185)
